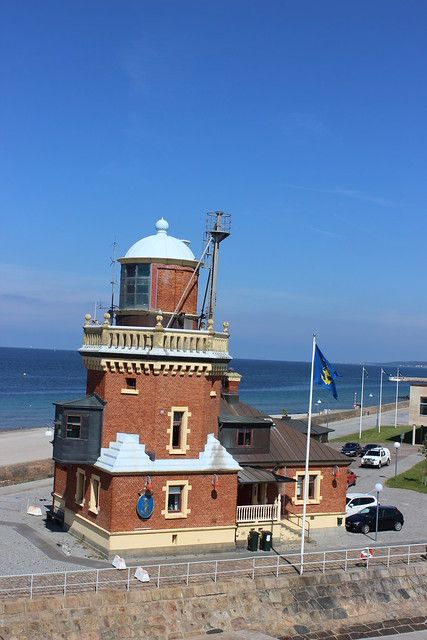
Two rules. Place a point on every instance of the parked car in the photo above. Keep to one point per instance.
(367, 448)
(351, 478)
(365, 521)
(355, 502)
(376, 458)
(351, 449)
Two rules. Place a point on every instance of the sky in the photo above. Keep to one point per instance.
(306, 121)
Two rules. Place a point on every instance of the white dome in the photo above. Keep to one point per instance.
(161, 246)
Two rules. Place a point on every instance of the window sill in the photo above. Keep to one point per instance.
(129, 392)
(309, 501)
(175, 516)
(80, 504)
(93, 510)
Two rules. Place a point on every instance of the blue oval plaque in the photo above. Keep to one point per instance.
(145, 506)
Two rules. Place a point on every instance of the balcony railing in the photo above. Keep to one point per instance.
(258, 513)
(114, 338)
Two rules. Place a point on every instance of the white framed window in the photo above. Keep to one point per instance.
(314, 480)
(80, 487)
(95, 490)
(178, 430)
(176, 499)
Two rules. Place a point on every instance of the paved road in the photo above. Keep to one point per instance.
(351, 425)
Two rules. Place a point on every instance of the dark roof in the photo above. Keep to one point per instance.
(302, 426)
(232, 411)
(87, 402)
(250, 475)
(287, 448)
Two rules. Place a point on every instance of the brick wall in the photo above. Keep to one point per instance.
(333, 489)
(206, 510)
(147, 412)
(119, 495)
(169, 283)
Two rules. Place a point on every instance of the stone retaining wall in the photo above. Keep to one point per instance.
(286, 607)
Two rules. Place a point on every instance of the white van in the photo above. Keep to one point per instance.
(355, 502)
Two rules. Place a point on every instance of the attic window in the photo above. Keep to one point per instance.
(131, 383)
(244, 438)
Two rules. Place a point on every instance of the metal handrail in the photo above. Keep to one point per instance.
(62, 582)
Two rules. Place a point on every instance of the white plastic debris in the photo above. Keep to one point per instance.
(66, 549)
(142, 575)
(118, 563)
(33, 510)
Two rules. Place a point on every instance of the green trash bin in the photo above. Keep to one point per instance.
(253, 539)
(266, 541)
(339, 522)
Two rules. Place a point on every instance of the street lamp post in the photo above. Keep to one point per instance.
(380, 400)
(361, 402)
(319, 402)
(397, 397)
(396, 448)
(378, 489)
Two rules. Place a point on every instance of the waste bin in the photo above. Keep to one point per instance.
(339, 522)
(253, 539)
(266, 541)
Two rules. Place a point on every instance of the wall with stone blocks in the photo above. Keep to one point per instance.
(284, 607)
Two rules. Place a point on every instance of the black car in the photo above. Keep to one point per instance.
(365, 520)
(367, 448)
(351, 449)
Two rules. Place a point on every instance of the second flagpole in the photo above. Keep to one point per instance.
(307, 456)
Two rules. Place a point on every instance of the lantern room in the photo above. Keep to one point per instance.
(158, 273)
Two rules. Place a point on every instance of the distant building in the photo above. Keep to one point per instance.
(417, 401)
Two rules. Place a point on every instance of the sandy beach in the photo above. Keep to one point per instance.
(24, 445)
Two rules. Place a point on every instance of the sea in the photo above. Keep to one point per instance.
(31, 380)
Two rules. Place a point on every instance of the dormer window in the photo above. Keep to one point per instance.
(73, 426)
(244, 437)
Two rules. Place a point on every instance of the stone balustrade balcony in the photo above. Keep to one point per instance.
(155, 341)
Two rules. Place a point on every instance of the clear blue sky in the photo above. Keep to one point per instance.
(304, 120)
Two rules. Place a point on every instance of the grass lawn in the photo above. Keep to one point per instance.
(411, 479)
(388, 434)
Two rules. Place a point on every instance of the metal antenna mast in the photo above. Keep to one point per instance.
(113, 279)
(218, 227)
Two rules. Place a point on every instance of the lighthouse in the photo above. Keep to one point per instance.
(138, 463)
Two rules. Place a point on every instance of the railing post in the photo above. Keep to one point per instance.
(324, 562)
(277, 566)
(253, 568)
(31, 586)
(346, 560)
(188, 573)
(97, 581)
(158, 576)
(388, 557)
(65, 583)
(409, 553)
(128, 581)
(216, 570)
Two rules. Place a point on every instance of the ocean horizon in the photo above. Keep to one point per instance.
(33, 379)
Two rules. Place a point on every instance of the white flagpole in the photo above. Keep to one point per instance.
(397, 396)
(381, 401)
(307, 457)
(361, 403)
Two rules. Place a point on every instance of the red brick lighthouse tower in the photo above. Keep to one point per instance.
(138, 465)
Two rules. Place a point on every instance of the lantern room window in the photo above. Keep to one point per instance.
(135, 286)
(73, 426)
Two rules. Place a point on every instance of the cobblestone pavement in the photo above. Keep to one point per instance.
(412, 628)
